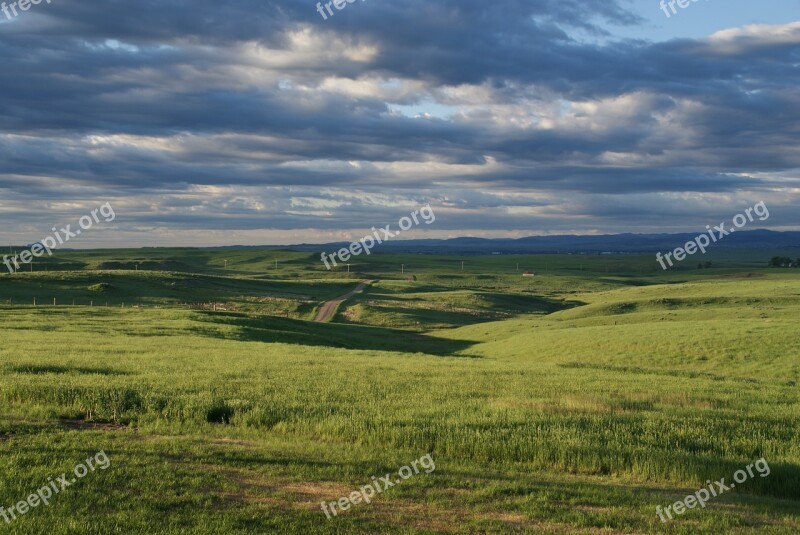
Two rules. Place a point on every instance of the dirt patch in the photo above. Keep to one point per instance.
(315, 490)
(508, 518)
(328, 309)
(307, 495)
(286, 494)
(304, 495)
(421, 517)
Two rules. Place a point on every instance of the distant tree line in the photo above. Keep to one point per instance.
(784, 262)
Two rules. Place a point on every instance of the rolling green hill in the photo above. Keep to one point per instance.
(572, 402)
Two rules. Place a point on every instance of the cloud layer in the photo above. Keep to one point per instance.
(258, 121)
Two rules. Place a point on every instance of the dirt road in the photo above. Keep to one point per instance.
(327, 310)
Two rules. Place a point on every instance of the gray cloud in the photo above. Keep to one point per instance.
(260, 115)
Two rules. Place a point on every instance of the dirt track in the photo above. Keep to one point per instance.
(327, 310)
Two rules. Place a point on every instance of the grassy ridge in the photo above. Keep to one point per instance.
(293, 298)
(590, 404)
(731, 327)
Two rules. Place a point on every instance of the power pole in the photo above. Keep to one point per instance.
(462, 265)
(402, 268)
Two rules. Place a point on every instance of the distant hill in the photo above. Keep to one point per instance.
(589, 244)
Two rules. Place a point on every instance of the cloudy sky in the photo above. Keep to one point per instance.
(258, 121)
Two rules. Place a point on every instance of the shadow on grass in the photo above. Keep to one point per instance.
(271, 329)
(425, 318)
(426, 310)
(526, 304)
(34, 369)
(668, 372)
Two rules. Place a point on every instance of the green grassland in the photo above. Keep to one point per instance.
(575, 401)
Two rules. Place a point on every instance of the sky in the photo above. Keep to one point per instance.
(261, 122)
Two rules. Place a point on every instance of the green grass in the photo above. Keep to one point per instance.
(291, 298)
(573, 402)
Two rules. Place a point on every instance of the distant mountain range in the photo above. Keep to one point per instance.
(594, 244)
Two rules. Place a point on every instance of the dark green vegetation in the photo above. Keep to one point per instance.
(783, 262)
(575, 401)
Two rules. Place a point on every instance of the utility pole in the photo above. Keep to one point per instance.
(402, 268)
(348, 268)
(462, 265)
(276, 263)
(226, 264)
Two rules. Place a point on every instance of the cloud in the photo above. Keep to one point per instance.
(260, 115)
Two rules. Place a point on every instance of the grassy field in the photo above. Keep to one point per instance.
(575, 401)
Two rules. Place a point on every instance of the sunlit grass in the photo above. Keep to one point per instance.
(569, 419)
